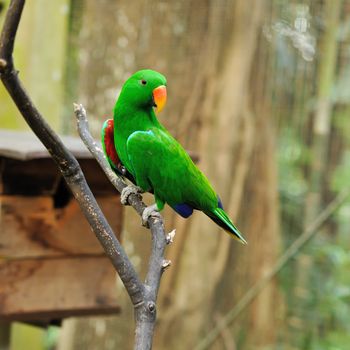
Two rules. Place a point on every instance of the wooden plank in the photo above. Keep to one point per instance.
(34, 289)
(31, 177)
(24, 145)
(41, 176)
(32, 228)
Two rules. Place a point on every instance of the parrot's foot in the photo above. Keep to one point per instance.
(151, 211)
(170, 236)
(127, 191)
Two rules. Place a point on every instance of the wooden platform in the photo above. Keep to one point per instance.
(51, 264)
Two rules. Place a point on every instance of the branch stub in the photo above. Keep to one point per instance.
(3, 64)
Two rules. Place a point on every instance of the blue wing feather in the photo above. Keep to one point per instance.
(183, 209)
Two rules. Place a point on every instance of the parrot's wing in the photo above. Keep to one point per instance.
(141, 146)
(107, 139)
(160, 163)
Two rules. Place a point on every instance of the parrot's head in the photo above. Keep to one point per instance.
(145, 89)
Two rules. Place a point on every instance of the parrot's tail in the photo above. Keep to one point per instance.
(220, 217)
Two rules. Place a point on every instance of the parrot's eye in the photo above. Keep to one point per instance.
(143, 82)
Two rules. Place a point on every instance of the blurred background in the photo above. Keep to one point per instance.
(260, 91)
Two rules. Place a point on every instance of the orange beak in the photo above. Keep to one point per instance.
(159, 97)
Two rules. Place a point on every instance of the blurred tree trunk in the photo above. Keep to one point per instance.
(236, 140)
(322, 117)
(210, 53)
(39, 56)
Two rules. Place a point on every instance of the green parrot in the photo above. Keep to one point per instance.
(139, 148)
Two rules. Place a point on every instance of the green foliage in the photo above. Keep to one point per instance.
(329, 298)
(292, 156)
(340, 178)
(51, 337)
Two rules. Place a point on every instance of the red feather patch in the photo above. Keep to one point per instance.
(109, 144)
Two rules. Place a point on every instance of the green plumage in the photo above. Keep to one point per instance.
(155, 159)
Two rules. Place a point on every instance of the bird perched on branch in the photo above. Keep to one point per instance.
(139, 148)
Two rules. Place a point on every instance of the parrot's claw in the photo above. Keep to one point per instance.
(151, 211)
(127, 191)
(170, 236)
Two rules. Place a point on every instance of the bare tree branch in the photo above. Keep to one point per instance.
(146, 314)
(143, 296)
(95, 150)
